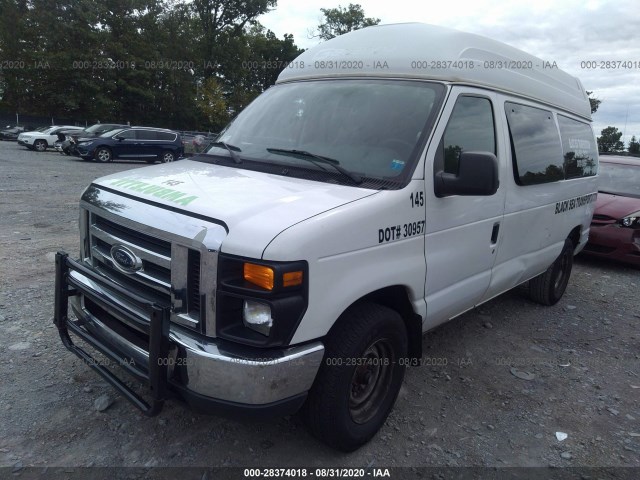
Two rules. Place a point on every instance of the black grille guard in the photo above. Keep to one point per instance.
(157, 369)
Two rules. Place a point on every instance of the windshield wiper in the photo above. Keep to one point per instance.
(232, 149)
(312, 157)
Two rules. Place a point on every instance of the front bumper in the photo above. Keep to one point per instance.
(210, 375)
(614, 242)
(84, 151)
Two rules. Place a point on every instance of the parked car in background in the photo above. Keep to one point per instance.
(11, 133)
(132, 143)
(40, 140)
(196, 142)
(615, 229)
(67, 139)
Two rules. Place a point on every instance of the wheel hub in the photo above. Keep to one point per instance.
(370, 381)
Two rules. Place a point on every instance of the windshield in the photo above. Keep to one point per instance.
(619, 179)
(372, 128)
(94, 128)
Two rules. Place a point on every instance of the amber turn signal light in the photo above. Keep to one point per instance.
(291, 279)
(259, 275)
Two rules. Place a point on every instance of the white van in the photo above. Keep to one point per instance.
(393, 178)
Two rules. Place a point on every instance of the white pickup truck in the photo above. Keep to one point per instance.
(392, 179)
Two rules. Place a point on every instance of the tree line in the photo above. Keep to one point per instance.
(610, 141)
(185, 64)
(188, 64)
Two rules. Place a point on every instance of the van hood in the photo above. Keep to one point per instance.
(254, 206)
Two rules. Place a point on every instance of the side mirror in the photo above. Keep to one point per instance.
(119, 138)
(477, 175)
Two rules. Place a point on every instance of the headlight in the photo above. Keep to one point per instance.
(260, 302)
(257, 316)
(632, 220)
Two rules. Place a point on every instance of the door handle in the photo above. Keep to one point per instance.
(494, 233)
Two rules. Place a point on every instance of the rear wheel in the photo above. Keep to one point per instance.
(168, 157)
(360, 377)
(103, 154)
(40, 145)
(548, 287)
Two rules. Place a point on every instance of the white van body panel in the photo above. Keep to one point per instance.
(391, 50)
(349, 261)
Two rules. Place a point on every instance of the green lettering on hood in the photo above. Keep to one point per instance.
(169, 194)
(186, 200)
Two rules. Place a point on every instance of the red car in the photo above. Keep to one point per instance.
(615, 228)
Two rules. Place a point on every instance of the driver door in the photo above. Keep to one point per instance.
(463, 232)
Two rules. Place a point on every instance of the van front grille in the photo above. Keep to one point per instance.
(154, 279)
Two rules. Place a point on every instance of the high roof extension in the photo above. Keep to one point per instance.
(406, 51)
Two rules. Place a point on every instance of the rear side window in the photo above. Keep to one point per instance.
(146, 135)
(578, 147)
(166, 136)
(535, 145)
(470, 129)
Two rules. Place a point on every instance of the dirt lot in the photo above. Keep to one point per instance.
(468, 407)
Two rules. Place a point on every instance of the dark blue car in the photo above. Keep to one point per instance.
(132, 143)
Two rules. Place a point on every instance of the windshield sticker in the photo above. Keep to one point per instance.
(397, 164)
(159, 191)
(573, 203)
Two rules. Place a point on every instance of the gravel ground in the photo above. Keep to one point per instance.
(497, 384)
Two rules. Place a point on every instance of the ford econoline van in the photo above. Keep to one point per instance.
(393, 178)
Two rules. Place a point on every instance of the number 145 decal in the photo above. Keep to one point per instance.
(417, 199)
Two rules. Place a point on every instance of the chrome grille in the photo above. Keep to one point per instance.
(155, 280)
(193, 284)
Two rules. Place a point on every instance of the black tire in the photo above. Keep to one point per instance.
(351, 399)
(167, 157)
(40, 145)
(103, 155)
(548, 287)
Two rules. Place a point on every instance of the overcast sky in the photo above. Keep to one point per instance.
(567, 32)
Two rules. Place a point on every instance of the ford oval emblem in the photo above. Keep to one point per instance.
(125, 259)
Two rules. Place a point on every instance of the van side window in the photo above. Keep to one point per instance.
(578, 147)
(535, 145)
(166, 136)
(146, 135)
(127, 134)
(470, 129)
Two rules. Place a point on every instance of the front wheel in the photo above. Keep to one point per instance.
(360, 377)
(40, 145)
(548, 287)
(103, 154)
